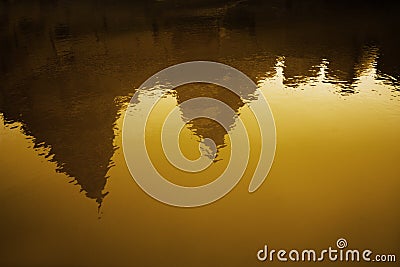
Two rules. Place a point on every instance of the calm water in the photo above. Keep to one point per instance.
(330, 72)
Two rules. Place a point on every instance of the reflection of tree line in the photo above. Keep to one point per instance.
(62, 65)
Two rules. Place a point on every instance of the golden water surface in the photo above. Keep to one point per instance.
(68, 71)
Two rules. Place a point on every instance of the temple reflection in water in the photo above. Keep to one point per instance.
(67, 68)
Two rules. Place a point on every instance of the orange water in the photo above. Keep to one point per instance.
(69, 70)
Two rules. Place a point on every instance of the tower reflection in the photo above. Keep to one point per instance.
(64, 64)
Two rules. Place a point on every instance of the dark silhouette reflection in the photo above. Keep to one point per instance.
(204, 127)
(74, 119)
(63, 64)
(309, 32)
